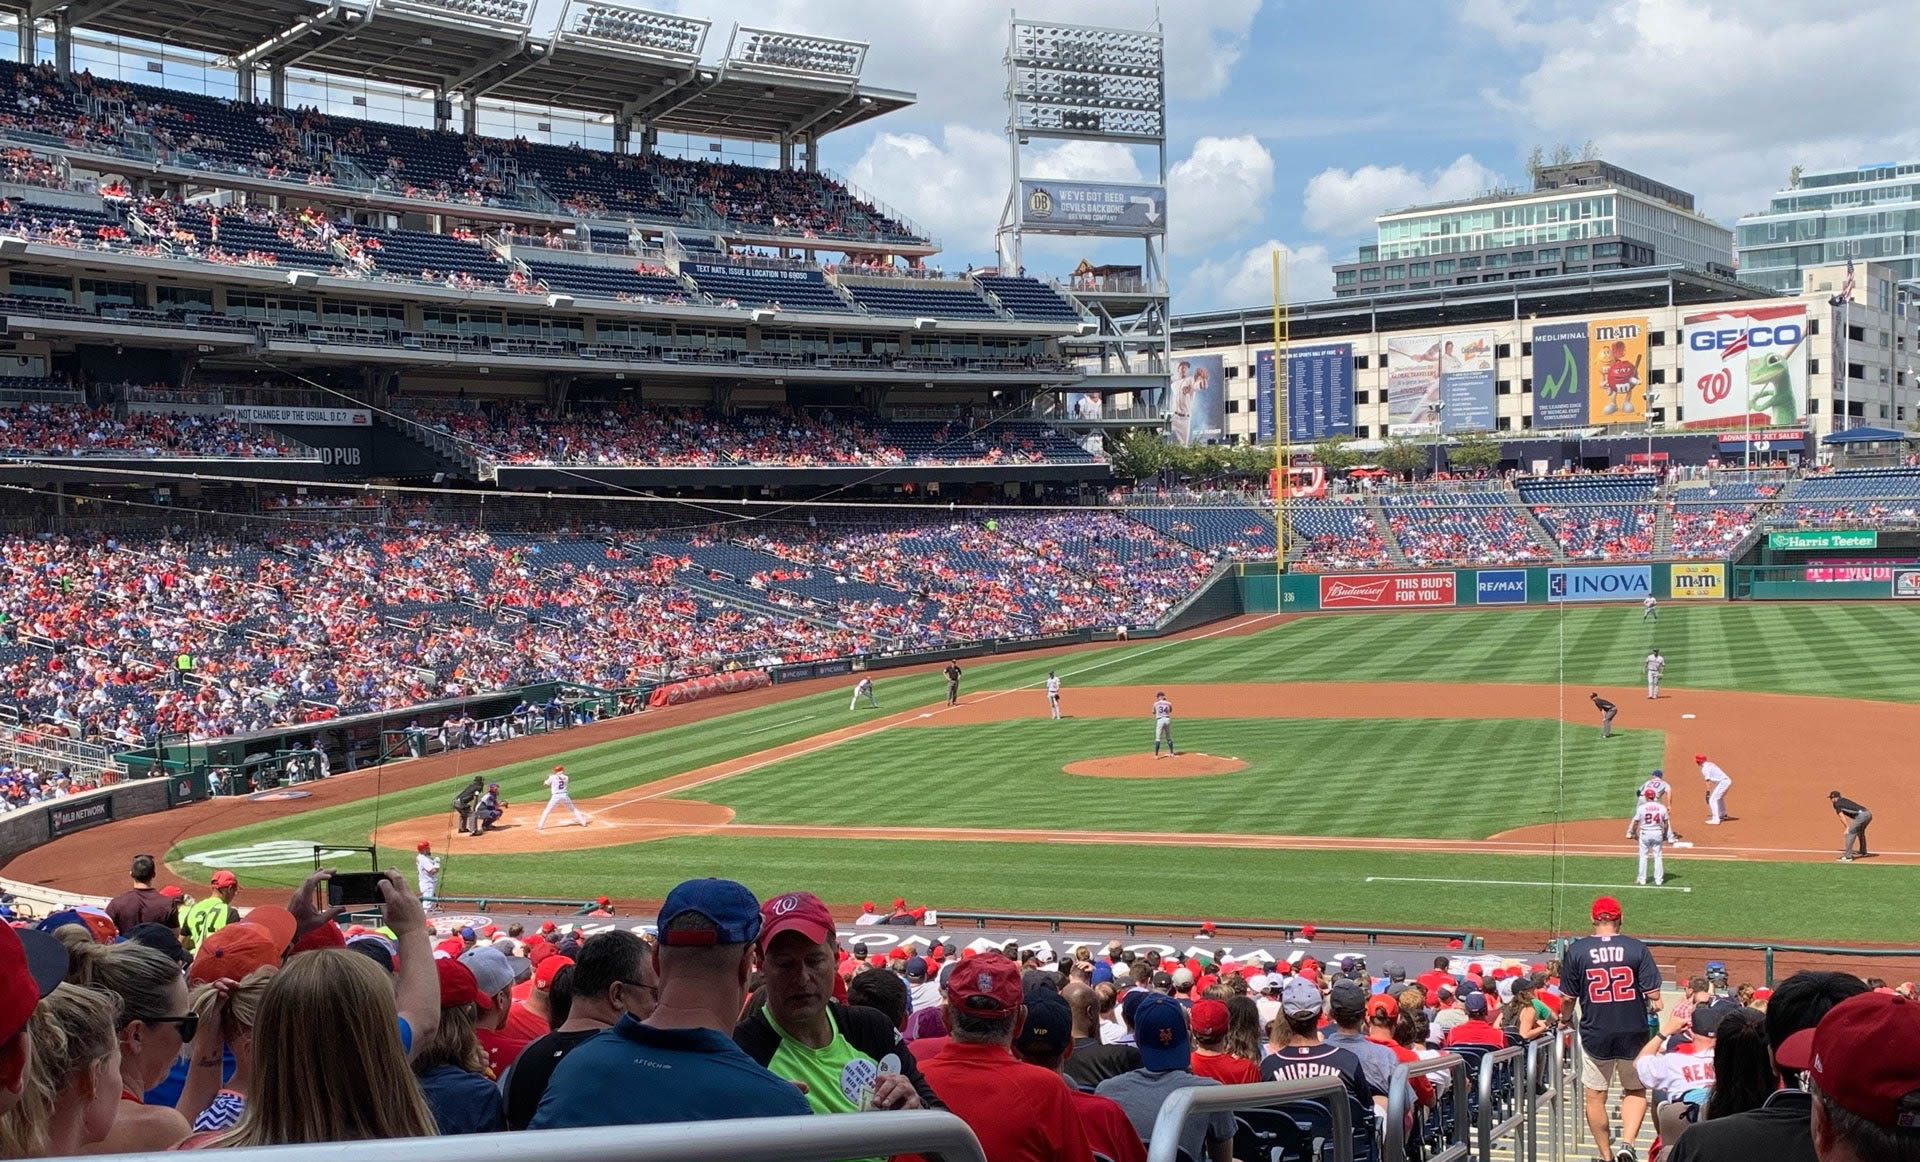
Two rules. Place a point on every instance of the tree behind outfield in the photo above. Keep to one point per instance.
(1402, 457)
(1474, 452)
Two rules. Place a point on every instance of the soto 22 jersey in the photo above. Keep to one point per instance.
(1612, 977)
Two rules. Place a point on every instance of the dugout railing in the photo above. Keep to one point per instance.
(1129, 926)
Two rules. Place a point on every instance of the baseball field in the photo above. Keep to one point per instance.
(1415, 769)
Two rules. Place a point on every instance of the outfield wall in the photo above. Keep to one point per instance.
(1261, 591)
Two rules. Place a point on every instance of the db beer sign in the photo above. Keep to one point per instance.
(1386, 590)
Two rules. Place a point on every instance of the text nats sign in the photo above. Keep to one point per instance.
(1386, 590)
(244, 413)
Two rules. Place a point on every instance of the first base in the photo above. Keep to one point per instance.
(1689, 716)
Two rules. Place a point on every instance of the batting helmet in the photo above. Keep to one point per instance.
(1650, 794)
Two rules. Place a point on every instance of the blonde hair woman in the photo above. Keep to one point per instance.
(234, 1007)
(327, 1060)
(72, 1090)
(154, 1026)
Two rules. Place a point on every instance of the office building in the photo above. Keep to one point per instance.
(1868, 213)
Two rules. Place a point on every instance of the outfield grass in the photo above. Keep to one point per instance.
(1393, 778)
(1304, 777)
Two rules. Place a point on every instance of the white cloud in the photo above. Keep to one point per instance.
(1246, 279)
(1342, 202)
(1721, 99)
(1217, 191)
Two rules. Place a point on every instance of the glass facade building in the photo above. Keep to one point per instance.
(1868, 214)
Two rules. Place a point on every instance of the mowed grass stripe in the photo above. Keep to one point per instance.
(1305, 777)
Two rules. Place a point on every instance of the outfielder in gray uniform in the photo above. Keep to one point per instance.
(1162, 723)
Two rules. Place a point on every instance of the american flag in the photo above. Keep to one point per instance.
(1846, 288)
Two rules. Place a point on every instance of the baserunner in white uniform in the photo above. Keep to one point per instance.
(1656, 665)
(863, 689)
(1717, 783)
(1053, 695)
(1162, 723)
(557, 796)
(1654, 828)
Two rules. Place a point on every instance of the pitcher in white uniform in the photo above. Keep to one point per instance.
(1654, 826)
(1717, 783)
(1656, 665)
(557, 796)
(427, 869)
(1053, 695)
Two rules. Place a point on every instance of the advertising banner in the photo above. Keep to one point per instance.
(1413, 385)
(1560, 376)
(1319, 393)
(1848, 572)
(1466, 381)
(1600, 583)
(1618, 349)
(1199, 398)
(1824, 539)
(1906, 584)
(300, 417)
(1068, 207)
(1084, 405)
(1698, 582)
(1745, 365)
(1386, 590)
(764, 274)
(67, 818)
(1500, 587)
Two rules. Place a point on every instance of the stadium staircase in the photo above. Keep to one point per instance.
(1541, 536)
(1378, 513)
(1662, 529)
(450, 455)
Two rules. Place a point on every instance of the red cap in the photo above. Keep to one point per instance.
(1699, 758)
(1606, 908)
(1284, 968)
(276, 920)
(1209, 1018)
(986, 986)
(457, 986)
(1861, 1056)
(918, 913)
(1206, 926)
(422, 845)
(451, 947)
(968, 953)
(171, 891)
(602, 901)
(225, 879)
(232, 952)
(867, 906)
(544, 973)
(800, 912)
(547, 926)
(877, 960)
(899, 903)
(1382, 1005)
(1307, 930)
(899, 954)
(327, 935)
(558, 767)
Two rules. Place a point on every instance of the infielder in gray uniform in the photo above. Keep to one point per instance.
(1162, 723)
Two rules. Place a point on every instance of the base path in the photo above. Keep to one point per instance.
(1782, 751)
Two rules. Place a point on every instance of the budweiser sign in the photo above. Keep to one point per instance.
(1387, 590)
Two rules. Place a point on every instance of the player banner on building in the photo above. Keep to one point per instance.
(1386, 590)
(1413, 385)
(1600, 583)
(1064, 207)
(1319, 393)
(1824, 539)
(1618, 391)
(1698, 582)
(1198, 413)
(1084, 405)
(1560, 376)
(1745, 366)
(1466, 381)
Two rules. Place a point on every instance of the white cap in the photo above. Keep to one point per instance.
(1182, 978)
(1258, 982)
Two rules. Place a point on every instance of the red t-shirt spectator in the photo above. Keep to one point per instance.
(1108, 1130)
(525, 1024)
(1473, 1031)
(1020, 1112)
(502, 1047)
(1224, 1068)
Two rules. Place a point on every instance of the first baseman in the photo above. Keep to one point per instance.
(556, 796)
(1653, 826)
(1053, 694)
(863, 689)
(1162, 722)
(1717, 783)
(1656, 665)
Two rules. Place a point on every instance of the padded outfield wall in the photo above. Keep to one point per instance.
(1262, 592)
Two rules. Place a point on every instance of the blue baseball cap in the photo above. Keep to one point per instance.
(1131, 1002)
(730, 912)
(1160, 1033)
(916, 966)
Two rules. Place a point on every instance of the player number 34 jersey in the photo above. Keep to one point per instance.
(1612, 977)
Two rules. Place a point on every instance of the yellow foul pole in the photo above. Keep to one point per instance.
(1282, 435)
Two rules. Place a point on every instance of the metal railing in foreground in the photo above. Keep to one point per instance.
(933, 1134)
(1213, 1099)
(1505, 1104)
(1440, 1132)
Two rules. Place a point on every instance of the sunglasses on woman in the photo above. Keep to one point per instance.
(188, 1025)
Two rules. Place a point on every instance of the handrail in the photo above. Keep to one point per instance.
(1518, 1117)
(1174, 1112)
(1467, 940)
(934, 1134)
(1548, 1053)
(1399, 1108)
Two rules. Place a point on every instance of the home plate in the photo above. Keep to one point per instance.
(1689, 716)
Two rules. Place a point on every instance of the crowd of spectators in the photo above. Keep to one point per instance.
(1466, 529)
(164, 1022)
(64, 430)
(23, 784)
(1601, 533)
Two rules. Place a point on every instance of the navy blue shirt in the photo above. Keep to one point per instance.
(462, 1102)
(1612, 978)
(634, 1075)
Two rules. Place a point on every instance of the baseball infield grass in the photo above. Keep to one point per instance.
(1445, 778)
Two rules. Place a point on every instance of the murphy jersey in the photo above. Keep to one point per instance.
(1651, 821)
(1611, 977)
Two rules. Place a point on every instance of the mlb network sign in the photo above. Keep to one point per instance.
(1500, 587)
(1600, 583)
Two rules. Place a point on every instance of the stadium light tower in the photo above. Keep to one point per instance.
(1082, 83)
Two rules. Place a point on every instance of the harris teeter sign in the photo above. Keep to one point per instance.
(1824, 539)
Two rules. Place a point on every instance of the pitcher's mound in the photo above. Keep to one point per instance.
(1145, 766)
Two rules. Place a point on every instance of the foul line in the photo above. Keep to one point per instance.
(1529, 884)
(778, 725)
(912, 716)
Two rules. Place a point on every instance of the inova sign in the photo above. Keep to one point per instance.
(1600, 583)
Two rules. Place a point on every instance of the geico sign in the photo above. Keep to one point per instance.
(1777, 335)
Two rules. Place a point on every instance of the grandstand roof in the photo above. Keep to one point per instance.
(1613, 290)
(409, 42)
